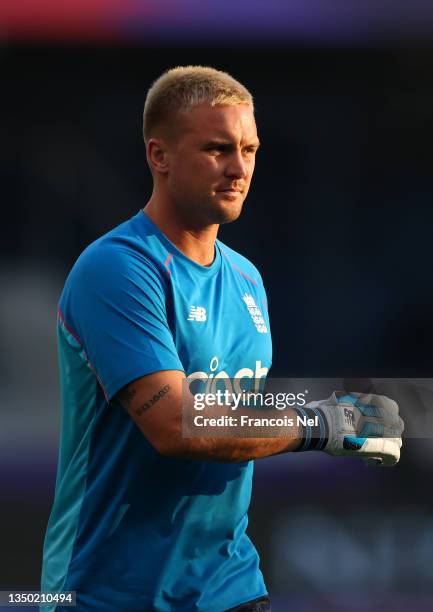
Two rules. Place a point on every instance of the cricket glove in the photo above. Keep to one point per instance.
(356, 425)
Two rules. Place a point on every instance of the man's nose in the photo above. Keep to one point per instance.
(236, 166)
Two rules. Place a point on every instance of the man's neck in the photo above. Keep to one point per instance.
(196, 243)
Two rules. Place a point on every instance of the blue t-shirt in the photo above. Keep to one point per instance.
(130, 529)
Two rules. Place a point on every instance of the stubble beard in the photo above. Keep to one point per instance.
(209, 212)
(228, 216)
(224, 211)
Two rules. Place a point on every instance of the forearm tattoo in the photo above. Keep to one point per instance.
(150, 402)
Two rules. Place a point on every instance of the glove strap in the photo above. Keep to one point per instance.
(314, 437)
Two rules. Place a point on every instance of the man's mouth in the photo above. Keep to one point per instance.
(230, 190)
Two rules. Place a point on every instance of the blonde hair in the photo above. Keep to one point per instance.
(183, 87)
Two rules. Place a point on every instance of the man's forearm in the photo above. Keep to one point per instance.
(166, 417)
(231, 450)
(239, 441)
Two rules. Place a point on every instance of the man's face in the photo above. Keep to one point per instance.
(211, 162)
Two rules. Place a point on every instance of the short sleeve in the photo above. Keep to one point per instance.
(115, 304)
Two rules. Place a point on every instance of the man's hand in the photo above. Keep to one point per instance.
(362, 425)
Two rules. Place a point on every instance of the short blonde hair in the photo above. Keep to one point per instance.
(183, 87)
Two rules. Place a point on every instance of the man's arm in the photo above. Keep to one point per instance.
(355, 425)
(155, 403)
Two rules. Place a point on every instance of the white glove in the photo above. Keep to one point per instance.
(362, 425)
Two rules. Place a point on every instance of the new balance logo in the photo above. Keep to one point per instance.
(197, 313)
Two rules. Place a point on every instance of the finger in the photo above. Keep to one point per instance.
(401, 425)
(394, 429)
(391, 430)
(386, 449)
(380, 401)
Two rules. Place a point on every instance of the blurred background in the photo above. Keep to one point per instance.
(339, 221)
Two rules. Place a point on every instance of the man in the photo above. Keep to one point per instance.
(145, 518)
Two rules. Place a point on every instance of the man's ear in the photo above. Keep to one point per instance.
(157, 157)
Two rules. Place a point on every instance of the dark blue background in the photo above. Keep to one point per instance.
(339, 221)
